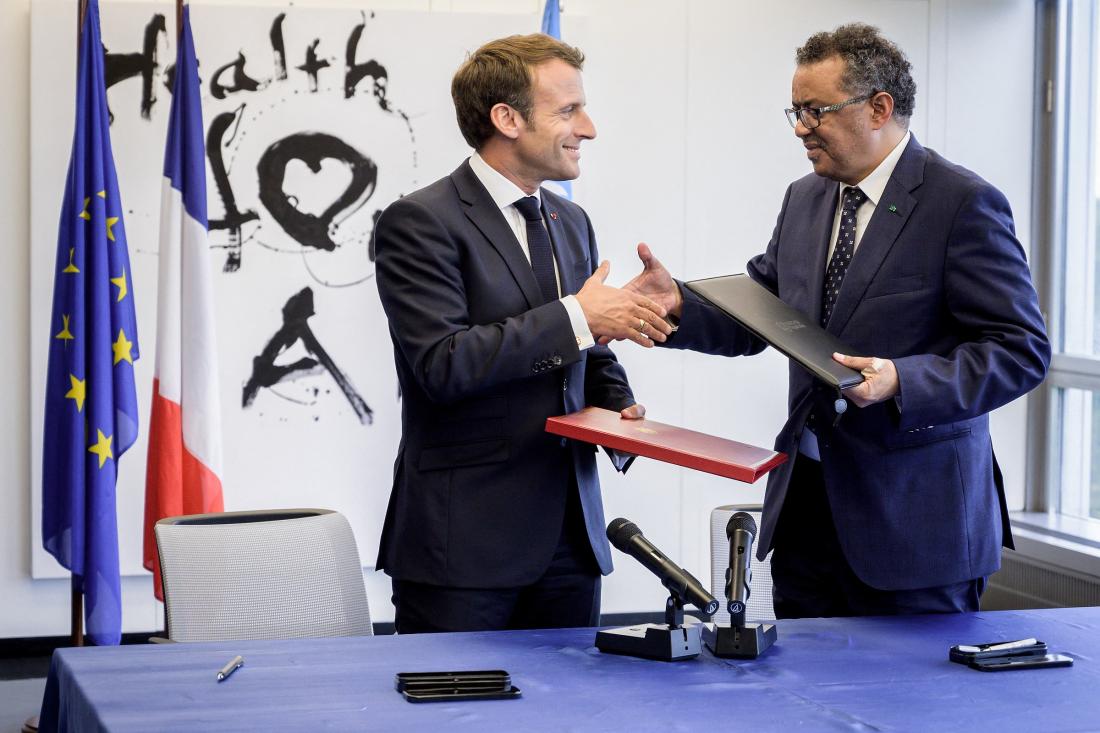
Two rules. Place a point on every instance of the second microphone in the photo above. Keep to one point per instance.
(626, 537)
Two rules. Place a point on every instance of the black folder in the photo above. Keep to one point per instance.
(787, 329)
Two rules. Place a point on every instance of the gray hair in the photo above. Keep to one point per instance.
(873, 63)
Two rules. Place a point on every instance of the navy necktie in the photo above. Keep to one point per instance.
(842, 252)
(538, 245)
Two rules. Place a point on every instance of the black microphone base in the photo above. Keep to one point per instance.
(652, 641)
(739, 642)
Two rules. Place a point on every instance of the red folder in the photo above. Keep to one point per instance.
(667, 443)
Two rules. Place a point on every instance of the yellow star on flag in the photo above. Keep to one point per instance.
(122, 348)
(66, 334)
(77, 392)
(111, 221)
(120, 281)
(102, 448)
(102, 195)
(71, 268)
(86, 215)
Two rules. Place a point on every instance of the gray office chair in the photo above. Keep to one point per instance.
(759, 605)
(261, 575)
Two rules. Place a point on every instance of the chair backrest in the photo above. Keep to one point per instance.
(759, 605)
(261, 575)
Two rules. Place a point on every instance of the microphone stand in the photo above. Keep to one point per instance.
(739, 640)
(671, 641)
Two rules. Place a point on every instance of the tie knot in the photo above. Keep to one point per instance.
(853, 197)
(529, 207)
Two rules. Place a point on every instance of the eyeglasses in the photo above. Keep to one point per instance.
(811, 116)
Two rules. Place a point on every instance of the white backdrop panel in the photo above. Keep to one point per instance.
(298, 230)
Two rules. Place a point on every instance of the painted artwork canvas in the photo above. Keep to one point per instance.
(315, 121)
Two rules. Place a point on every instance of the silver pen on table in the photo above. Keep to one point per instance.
(230, 667)
(1004, 646)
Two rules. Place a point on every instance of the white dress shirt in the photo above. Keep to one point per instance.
(504, 194)
(872, 186)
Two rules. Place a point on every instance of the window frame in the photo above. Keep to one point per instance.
(1041, 529)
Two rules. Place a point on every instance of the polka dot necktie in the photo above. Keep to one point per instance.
(538, 245)
(842, 253)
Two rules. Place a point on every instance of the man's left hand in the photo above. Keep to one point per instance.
(634, 412)
(880, 379)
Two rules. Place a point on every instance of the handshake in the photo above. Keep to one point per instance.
(635, 312)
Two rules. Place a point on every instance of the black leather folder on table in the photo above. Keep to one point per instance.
(787, 329)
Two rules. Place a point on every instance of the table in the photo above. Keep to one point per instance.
(867, 674)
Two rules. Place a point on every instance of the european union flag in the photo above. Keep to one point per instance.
(91, 404)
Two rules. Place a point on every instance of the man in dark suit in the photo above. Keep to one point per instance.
(899, 507)
(494, 303)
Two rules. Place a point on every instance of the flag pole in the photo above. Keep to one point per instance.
(179, 35)
(76, 598)
(76, 626)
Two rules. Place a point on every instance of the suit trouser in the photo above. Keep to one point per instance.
(812, 578)
(567, 594)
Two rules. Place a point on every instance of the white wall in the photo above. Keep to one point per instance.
(693, 156)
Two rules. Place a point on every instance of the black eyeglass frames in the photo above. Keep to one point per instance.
(811, 116)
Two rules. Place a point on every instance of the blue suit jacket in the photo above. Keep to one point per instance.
(479, 487)
(939, 284)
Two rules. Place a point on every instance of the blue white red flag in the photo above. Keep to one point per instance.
(183, 471)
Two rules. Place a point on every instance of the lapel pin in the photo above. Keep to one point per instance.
(893, 209)
(554, 215)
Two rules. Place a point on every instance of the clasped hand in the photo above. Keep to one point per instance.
(655, 283)
(615, 314)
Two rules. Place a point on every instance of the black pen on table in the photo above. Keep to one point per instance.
(230, 667)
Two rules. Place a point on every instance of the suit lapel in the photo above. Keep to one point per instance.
(891, 213)
(487, 217)
(824, 211)
(563, 247)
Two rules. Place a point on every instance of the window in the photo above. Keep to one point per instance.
(1064, 487)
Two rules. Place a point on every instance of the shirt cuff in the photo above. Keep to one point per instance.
(578, 322)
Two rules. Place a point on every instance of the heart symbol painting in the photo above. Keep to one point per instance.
(332, 162)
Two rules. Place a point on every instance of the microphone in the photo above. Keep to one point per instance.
(741, 532)
(627, 538)
(739, 640)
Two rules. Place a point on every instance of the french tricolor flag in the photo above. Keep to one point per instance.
(183, 474)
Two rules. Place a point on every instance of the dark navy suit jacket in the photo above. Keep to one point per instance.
(939, 284)
(479, 487)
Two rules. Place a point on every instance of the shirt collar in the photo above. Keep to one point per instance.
(503, 192)
(875, 183)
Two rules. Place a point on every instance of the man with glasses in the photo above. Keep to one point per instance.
(899, 506)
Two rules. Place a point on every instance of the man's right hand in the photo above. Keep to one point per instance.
(615, 314)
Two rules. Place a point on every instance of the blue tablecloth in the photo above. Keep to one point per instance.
(870, 674)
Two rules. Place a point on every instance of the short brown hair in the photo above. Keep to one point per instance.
(873, 63)
(501, 71)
